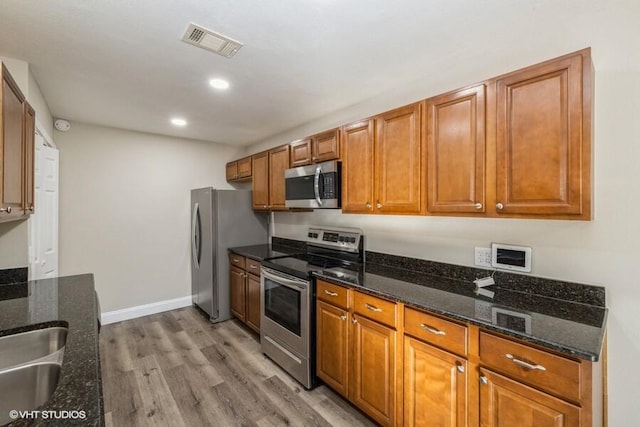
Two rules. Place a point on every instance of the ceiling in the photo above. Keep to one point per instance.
(122, 63)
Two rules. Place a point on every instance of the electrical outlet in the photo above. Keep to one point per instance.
(483, 257)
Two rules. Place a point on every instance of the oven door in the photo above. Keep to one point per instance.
(285, 308)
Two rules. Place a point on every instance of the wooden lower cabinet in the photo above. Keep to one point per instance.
(435, 386)
(252, 316)
(333, 346)
(373, 373)
(505, 402)
(238, 292)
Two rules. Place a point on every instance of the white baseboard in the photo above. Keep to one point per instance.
(144, 310)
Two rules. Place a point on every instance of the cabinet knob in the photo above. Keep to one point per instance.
(354, 321)
(368, 205)
(378, 205)
(484, 379)
(499, 206)
(7, 209)
(478, 205)
(343, 317)
(459, 367)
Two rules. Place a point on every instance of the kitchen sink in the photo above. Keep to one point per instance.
(29, 346)
(26, 387)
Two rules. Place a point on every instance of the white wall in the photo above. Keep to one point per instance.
(14, 245)
(604, 251)
(124, 209)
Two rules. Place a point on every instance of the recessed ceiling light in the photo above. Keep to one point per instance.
(219, 83)
(178, 121)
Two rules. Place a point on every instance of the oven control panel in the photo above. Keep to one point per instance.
(339, 239)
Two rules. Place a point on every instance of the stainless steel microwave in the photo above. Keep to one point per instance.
(314, 186)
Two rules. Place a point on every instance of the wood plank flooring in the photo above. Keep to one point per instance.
(177, 369)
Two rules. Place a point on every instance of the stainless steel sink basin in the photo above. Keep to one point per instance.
(26, 387)
(26, 347)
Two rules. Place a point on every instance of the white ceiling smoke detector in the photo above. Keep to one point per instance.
(62, 125)
(210, 40)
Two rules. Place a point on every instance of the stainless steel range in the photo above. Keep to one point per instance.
(287, 328)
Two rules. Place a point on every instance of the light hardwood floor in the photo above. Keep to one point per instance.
(177, 369)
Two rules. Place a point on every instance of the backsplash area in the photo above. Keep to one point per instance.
(14, 275)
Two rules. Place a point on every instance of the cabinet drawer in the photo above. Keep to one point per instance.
(374, 308)
(439, 332)
(253, 266)
(550, 372)
(237, 260)
(333, 294)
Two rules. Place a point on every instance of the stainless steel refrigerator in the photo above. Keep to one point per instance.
(220, 219)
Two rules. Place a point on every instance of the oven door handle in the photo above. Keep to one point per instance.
(290, 283)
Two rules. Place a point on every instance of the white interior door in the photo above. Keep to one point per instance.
(43, 242)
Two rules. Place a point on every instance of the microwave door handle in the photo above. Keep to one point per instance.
(316, 184)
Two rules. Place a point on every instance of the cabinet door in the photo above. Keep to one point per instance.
(232, 170)
(505, 402)
(398, 155)
(357, 171)
(278, 163)
(456, 151)
(326, 146)
(260, 181)
(373, 370)
(244, 167)
(29, 147)
(435, 386)
(252, 315)
(300, 153)
(11, 149)
(238, 293)
(542, 153)
(332, 346)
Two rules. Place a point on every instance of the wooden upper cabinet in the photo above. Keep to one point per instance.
(398, 155)
(357, 170)
(326, 146)
(11, 149)
(28, 155)
(260, 181)
(278, 163)
(543, 139)
(301, 153)
(239, 170)
(455, 130)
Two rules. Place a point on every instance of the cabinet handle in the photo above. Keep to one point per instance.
(343, 317)
(368, 205)
(331, 294)
(253, 267)
(7, 209)
(432, 329)
(378, 205)
(499, 206)
(236, 260)
(484, 379)
(354, 321)
(524, 364)
(459, 367)
(478, 205)
(31, 208)
(373, 308)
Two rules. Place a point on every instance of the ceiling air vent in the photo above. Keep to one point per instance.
(210, 40)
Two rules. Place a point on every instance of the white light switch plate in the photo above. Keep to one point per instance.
(483, 257)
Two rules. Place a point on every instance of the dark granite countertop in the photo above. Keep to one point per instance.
(262, 252)
(573, 328)
(65, 301)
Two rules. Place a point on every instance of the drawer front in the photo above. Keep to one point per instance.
(237, 260)
(550, 372)
(439, 332)
(253, 266)
(333, 294)
(374, 308)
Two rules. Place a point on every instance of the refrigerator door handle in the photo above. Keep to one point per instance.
(195, 238)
